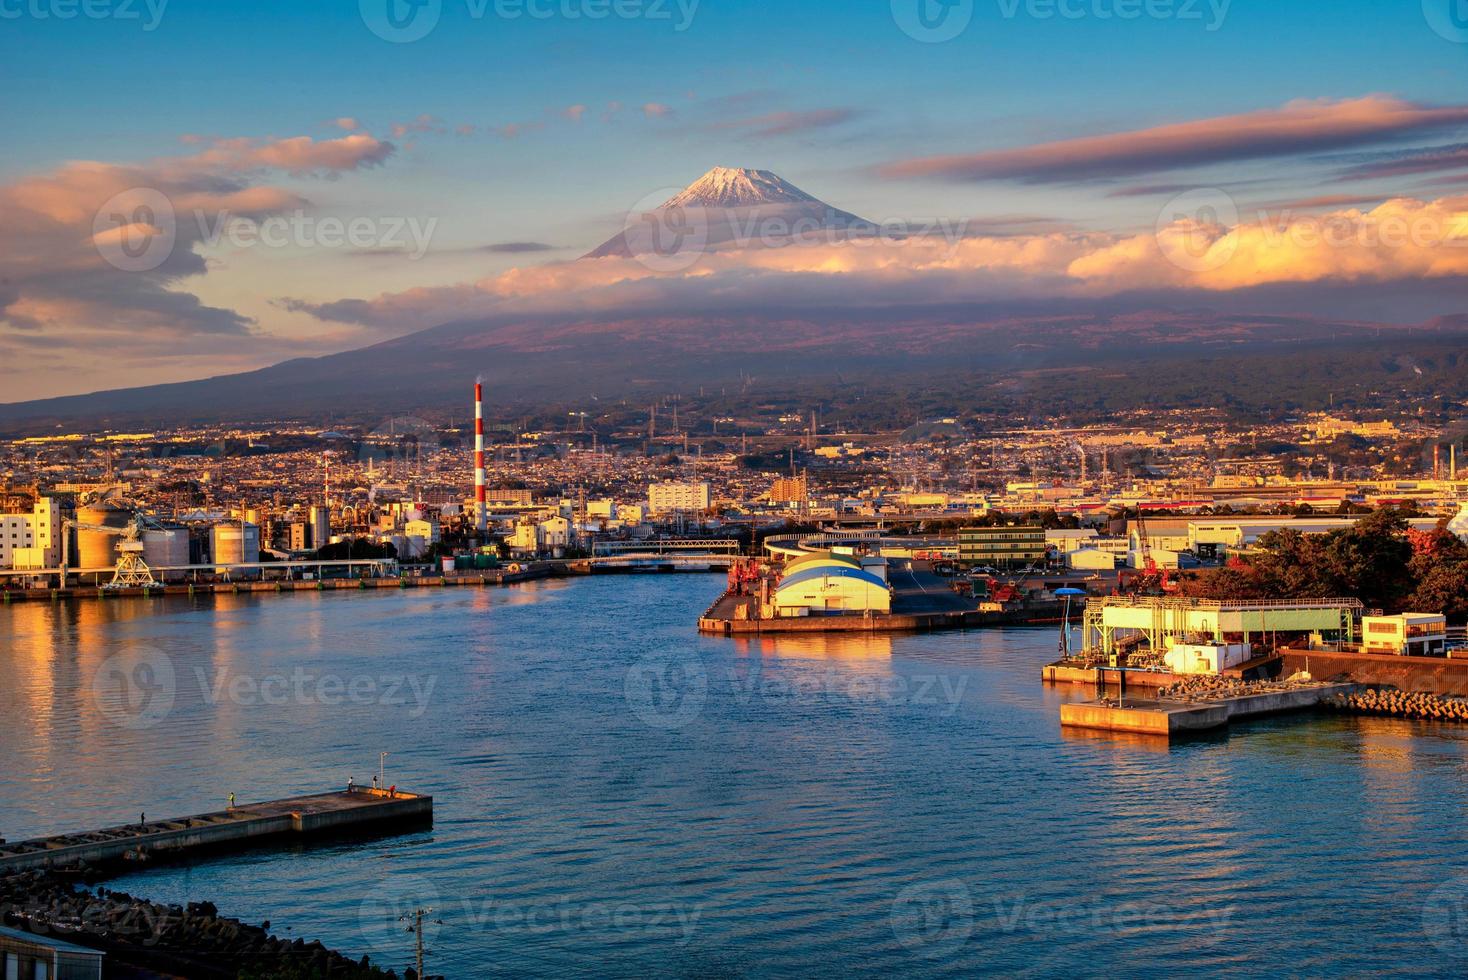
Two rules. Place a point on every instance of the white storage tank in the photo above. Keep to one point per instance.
(166, 547)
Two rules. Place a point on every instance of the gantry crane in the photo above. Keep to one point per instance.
(131, 572)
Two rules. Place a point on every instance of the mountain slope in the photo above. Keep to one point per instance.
(732, 208)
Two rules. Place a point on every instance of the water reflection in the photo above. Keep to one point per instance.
(858, 803)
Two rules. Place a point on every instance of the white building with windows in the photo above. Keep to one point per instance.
(32, 540)
(673, 498)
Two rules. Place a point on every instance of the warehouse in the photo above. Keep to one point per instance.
(825, 584)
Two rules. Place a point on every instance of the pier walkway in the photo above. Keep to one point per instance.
(302, 816)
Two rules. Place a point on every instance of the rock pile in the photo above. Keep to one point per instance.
(1205, 688)
(1398, 704)
(192, 941)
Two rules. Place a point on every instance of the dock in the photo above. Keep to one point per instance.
(237, 827)
(1178, 719)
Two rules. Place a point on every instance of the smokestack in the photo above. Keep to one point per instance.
(1455, 462)
(481, 515)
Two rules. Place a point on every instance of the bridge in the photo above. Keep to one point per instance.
(667, 546)
(665, 562)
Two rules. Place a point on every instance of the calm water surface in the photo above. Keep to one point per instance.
(618, 796)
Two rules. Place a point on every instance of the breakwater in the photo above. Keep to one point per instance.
(191, 940)
(1401, 704)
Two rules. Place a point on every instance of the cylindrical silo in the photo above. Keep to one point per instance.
(98, 549)
(164, 548)
(235, 543)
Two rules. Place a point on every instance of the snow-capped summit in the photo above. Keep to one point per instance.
(727, 187)
(731, 208)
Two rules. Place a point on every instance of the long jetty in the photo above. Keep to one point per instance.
(305, 816)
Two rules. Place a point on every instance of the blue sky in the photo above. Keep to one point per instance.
(857, 91)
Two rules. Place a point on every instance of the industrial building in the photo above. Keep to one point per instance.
(1407, 635)
(1210, 632)
(1002, 547)
(827, 583)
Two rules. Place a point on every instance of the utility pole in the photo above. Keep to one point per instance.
(417, 927)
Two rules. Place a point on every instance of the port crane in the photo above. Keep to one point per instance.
(131, 572)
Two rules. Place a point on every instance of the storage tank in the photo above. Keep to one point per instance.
(235, 543)
(98, 549)
(164, 547)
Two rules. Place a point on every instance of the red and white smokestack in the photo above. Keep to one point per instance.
(481, 515)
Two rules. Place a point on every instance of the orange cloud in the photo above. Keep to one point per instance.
(1401, 240)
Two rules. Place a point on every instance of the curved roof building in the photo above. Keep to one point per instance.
(819, 584)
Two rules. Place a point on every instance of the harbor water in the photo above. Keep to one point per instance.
(618, 796)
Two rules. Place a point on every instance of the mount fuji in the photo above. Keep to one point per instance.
(733, 208)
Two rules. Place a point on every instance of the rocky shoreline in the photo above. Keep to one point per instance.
(192, 941)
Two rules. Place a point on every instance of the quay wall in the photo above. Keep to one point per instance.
(1420, 675)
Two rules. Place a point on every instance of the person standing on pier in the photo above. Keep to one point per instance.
(231, 801)
(351, 784)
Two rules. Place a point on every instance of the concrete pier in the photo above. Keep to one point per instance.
(1172, 719)
(303, 816)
